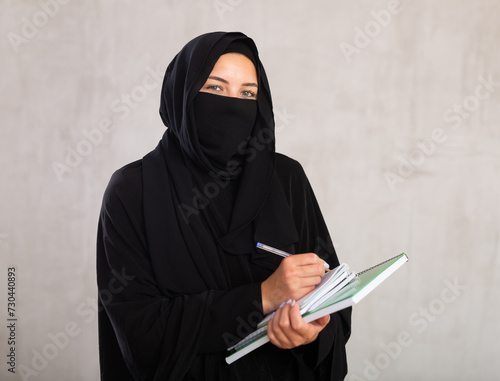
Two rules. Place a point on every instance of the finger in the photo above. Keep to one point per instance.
(280, 319)
(291, 337)
(298, 277)
(304, 259)
(272, 329)
(317, 267)
(306, 271)
(296, 321)
(280, 328)
(311, 259)
(308, 332)
(316, 327)
(311, 269)
(288, 330)
(322, 321)
(308, 278)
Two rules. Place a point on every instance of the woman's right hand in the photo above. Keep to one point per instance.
(297, 275)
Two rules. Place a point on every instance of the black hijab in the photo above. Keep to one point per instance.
(175, 205)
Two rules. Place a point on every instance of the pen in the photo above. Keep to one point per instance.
(279, 252)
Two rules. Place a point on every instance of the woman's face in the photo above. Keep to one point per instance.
(233, 75)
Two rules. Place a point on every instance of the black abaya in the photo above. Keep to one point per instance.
(188, 271)
(153, 328)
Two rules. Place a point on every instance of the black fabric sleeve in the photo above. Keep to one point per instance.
(157, 333)
(233, 315)
(153, 330)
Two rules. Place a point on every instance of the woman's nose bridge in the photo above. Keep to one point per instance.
(233, 92)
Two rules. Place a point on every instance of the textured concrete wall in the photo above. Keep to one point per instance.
(393, 110)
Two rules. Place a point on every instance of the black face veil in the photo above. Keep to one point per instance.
(183, 79)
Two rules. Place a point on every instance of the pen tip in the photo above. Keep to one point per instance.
(258, 244)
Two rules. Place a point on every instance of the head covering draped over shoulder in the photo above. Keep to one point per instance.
(175, 205)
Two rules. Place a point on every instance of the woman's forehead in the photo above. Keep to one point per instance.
(235, 63)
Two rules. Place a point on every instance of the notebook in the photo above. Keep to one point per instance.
(326, 299)
(330, 283)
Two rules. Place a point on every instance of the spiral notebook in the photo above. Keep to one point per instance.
(334, 299)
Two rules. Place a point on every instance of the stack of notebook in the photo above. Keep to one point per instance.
(337, 290)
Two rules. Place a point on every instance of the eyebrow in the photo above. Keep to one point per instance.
(252, 84)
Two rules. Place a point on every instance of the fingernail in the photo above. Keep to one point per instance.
(272, 315)
(327, 266)
(293, 302)
(289, 301)
(282, 304)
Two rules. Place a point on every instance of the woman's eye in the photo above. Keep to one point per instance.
(248, 93)
(214, 87)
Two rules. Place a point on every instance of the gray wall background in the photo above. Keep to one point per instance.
(393, 110)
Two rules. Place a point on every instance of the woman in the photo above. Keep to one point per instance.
(178, 229)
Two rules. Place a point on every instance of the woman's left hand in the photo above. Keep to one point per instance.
(288, 330)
